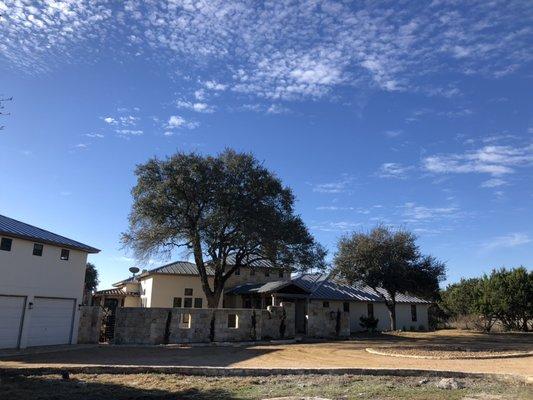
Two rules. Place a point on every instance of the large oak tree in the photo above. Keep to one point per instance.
(215, 207)
(390, 262)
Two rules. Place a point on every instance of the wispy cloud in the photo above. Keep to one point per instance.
(491, 160)
(340, 186)
(195, 106)
(506, 241)
(393, 170)
(413, 212)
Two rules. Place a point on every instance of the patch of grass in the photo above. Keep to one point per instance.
(171, 386)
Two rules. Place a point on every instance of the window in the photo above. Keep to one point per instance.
(176, 302)
(325, 304)
(370, 310)
(233, 321)
(5, 244)
(188, 292)
(238, 271)
(198, 302)
(64, 254)
(37, 249)
(252, 272)
(267, 273)
(346, 306)
(187, 303)
(413, 312)
(280, 273)
(185, 321)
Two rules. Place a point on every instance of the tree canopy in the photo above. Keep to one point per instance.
(214, 207)
(91, 277)
(506, 295)
(390, 262)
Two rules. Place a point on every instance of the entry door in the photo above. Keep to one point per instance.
(51, 321)
(11, 316)
(300, 311)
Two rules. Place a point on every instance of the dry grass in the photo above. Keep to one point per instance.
(177, 387)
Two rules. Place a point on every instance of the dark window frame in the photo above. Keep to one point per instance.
(176, 302)
(233, 321)
(6, 244)
(346, 306)
(414, 316)
(38, 249)
(370, 310)
(187, 302)
(62, 256)
(267, 273)
(237, 272)
(198, 302)
(325, 304)
(188, 292)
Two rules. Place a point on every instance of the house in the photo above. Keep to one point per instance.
(41, 287)
(313, 295)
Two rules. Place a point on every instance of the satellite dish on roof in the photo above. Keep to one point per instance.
(134, 270)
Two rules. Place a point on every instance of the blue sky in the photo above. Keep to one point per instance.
(414, 114)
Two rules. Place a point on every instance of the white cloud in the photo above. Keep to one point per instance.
(281, 49)
(417, 213)
(196, 106)
(340, 186)
(393, 133)
(492, 160)
(393, 170)
(506, 241)
(94, 135)
(110, 120)
(493, 182)
(277, 109)
(176, 121)
(129, 132)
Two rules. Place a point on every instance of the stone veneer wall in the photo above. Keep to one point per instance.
(165, 325)
(90, 324)
(322, 322)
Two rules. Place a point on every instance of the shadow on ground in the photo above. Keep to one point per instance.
(147, 355)
(47, 388)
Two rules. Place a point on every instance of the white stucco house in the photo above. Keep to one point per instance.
(178, 285)
(41, 286)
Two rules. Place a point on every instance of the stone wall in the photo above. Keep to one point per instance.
(90, 324)
(193, 325)
(322, 321)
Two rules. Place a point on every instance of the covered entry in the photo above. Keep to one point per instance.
(11, 317)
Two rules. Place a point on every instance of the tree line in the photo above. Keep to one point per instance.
(503, 297)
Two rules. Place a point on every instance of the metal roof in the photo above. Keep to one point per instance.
(115, 292)
(174, 268)
(17, 229)
(230, 260)
(323, 287)
(269, 287)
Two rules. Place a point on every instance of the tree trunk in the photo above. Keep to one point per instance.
(392, 315)
(213, 298)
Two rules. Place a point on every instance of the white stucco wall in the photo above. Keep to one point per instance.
(24, 274)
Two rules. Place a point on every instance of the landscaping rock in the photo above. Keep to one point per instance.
(422, 381)
(450, 383)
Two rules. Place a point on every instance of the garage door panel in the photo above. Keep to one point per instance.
(11, 313)
(51, 321)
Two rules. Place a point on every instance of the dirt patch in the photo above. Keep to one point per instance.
(438, 352)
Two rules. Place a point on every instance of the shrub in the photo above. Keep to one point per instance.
(369, 323)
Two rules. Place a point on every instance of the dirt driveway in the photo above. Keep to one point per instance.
(339, 354)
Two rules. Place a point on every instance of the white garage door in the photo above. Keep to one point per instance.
(51, 321)
(11, 313)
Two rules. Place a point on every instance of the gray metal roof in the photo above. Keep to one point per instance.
(323, 287)
(17, 229)
(249, 288)
(174, 268)
(230, 260)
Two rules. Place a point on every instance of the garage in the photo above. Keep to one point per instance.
(11, 315)
(51, 321)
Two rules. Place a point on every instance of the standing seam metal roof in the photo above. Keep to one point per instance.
(17, 229)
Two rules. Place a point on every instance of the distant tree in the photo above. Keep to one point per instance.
(389, 262)
(91, 277)
(3, 100)
(215, 207)
(459, 299)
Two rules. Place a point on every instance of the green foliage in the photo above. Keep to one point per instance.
(91, 277)
(504, 295)
(391, 260)
(369, 323)
(214, 207)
